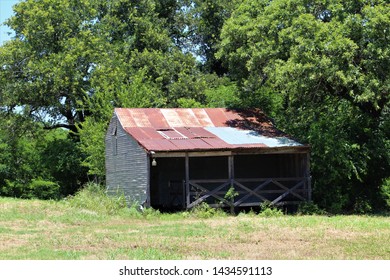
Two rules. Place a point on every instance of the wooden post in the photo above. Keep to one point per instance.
(231, 181)
(148, 202)
(187, 167)
(308, 177)
(231, 169)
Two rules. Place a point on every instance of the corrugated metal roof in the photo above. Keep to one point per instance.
(235, 136)
(164, 130)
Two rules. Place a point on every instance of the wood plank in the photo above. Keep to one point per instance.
(308, 176)
(202, 181)
(192, 154)
(251, 192)
(208, 194)
(148, 202)
(287, 193)
(231, 168)
(265, 179)
(187, 184)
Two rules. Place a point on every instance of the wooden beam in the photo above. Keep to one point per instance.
(308, 177)
(209, 193)
(148, 202)
(288, 192)
(289, 189)
(251, 192)
(192, 154)
(231, 169)
(187, 182)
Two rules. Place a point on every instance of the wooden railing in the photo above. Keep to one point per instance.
(248, 192)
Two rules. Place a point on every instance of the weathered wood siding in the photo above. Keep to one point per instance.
(126, 165)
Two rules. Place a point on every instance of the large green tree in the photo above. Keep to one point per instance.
(71, 61)
(61, 46)
(47, 66)
(324, 66)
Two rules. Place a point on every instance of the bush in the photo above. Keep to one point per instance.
(205, 211)
(362, 206)
(385, 192)
(269, 210)
(37, 188)
(94, 198)
(12, 189)
(42, 189)
(309, 208)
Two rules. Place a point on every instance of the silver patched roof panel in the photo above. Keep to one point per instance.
(235, 136)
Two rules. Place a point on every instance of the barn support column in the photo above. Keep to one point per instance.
(148, 202)
(308, 177)
(231, 169)
(187, 186)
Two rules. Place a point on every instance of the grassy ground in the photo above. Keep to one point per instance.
(33, 229)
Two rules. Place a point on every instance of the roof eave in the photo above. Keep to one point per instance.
(231, 151)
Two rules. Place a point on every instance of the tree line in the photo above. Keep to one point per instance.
(319, 68)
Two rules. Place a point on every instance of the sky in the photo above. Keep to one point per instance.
(5, 13)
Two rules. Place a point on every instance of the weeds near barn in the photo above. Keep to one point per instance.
(78, 229)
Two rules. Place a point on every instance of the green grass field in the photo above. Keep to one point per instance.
(34, 229)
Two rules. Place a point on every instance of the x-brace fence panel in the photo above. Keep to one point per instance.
(248, 191)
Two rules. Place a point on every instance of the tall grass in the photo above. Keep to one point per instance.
(94, 198)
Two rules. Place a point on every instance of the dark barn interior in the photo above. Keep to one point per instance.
(256, 178)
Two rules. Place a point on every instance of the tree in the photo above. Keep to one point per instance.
(34, 159)
(48, 64)
(326, 64)
(199, 24)
(71, 62)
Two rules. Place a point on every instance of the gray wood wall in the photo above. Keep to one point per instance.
(127, 165)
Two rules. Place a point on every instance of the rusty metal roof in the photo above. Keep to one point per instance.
(165, 130)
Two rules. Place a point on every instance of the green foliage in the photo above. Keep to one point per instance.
(229, 196)
(269, 210)
(150, 212)
(362, 206)
(231, 193)
(385, 192)
(205, 211)
(42, 189)
(93, 198)
(61, 160)
(310, 66)
(30, 154)
(48, 64)
(223, 96)
(37, 188)
(309, 208)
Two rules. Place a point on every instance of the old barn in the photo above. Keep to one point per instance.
(177, 158)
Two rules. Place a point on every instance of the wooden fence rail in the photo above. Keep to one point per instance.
(249, 192)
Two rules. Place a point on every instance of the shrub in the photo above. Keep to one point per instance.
(204, 210)
(362, 206)
(12, 189)
(37, 188)
(94, 198)
(42, 189)
(309, 208)
(385, 192)
(269, 210)
(150, 212)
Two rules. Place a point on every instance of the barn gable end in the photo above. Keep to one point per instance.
(127, 166)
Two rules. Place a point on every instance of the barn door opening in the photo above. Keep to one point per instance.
(167, 183)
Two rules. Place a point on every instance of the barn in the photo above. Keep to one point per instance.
(178, 158)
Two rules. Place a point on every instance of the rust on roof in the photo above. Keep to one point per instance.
(181, 129)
